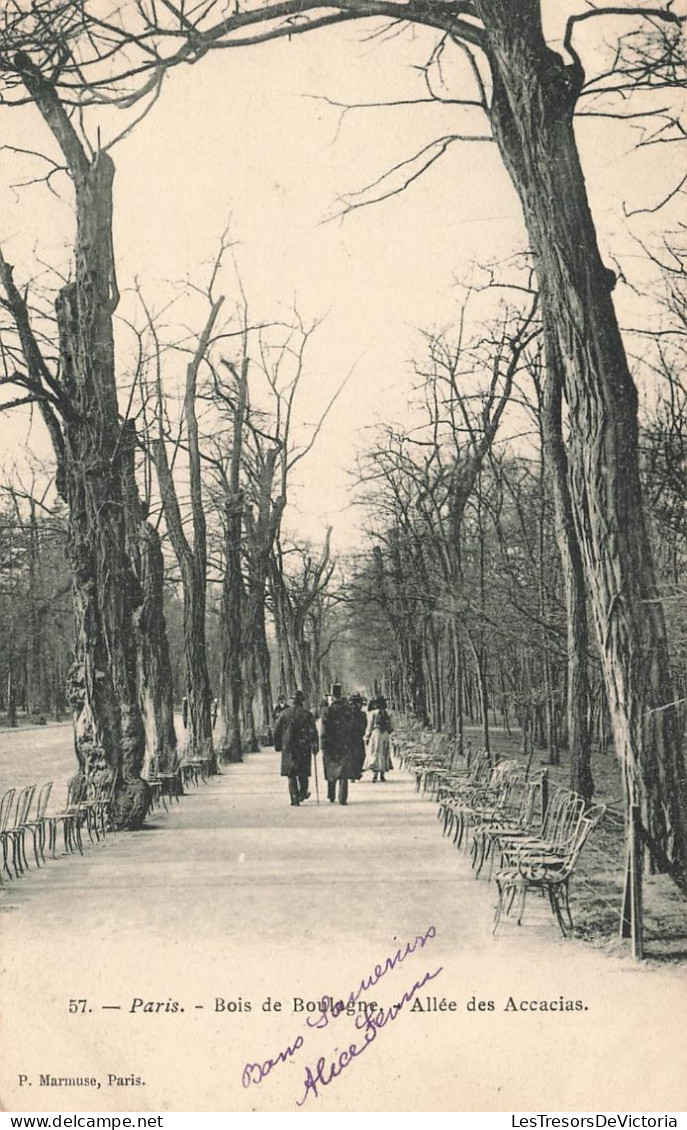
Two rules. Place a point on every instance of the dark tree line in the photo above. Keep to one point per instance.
(488, 616)
(35, 607)
(525, 92)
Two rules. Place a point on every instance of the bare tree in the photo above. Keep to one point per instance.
(77, 398)
(191, 554)
(257, 392)
(299, 583)
(525, 94)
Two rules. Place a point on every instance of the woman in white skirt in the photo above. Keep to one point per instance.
(378, 741)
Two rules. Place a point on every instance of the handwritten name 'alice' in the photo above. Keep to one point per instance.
(254, 1073)
(325, 1072)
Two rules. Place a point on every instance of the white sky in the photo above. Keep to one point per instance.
(241, 136)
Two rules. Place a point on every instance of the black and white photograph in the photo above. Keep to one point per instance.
(343, 464)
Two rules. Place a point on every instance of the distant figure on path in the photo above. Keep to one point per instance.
(184, 711)
(215, 708)
(279, 706)
(295, 737)
(358, 721)
(378, 741)
(335, 743)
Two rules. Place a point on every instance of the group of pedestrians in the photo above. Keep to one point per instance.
(352, 741)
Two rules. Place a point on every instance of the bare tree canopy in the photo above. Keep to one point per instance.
(523, 70)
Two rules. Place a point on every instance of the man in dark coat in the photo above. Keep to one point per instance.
(335, 743)
(295, 737)
(358, 719)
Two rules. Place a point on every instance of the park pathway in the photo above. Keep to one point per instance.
(234, 899)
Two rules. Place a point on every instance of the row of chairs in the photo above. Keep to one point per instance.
(25, 812)
(530, 835)
(168, 775)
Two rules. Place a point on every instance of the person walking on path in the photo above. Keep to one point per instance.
(358, 730)
(335, 743)
(295, 737)
(378, 741)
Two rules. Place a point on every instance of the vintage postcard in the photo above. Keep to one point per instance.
(343, 415)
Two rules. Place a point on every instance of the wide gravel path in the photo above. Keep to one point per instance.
(235, 899)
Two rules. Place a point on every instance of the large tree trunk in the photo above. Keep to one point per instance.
(480, 657)
(192, 559)
(155, 684)
(108, 725)
(37, 697)
(288, 674)
(155, 669)
(198, 690)
(231, 686)
(556, 461)
(261, 531)
(264, 664)
(534, 96)
(414, 679)
(458, 682)
(231, 691)
(248, 674)
(192, 567)
(257, 691)
(288, 679)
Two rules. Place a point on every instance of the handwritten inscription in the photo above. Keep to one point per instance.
(325, 1073)
(369, 1019)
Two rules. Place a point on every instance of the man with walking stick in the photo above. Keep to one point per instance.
(296, 738)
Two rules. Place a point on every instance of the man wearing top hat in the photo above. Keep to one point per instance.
(335, 743)
(295, 737)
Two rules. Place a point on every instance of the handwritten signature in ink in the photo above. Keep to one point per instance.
(254, 1073)
(371, 1023)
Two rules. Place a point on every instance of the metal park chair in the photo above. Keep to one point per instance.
(36, 824)
(559, 827)
(94, 808)
(13, 831)
(547, 871)
(6, 809)
(164, 778)
(476, 801)
(451, 763)
(500, 799)
(426, 749)
(523, 820)
(69, 818)
(408, 736)
(193, 770)
(457, 786)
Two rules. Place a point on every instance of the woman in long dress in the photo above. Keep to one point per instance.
(378, 741)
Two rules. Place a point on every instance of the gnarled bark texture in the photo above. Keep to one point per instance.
(108, 727)
(230, 746)
(154, 668)
(556, 462)
(192, 559)
(534, 96)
